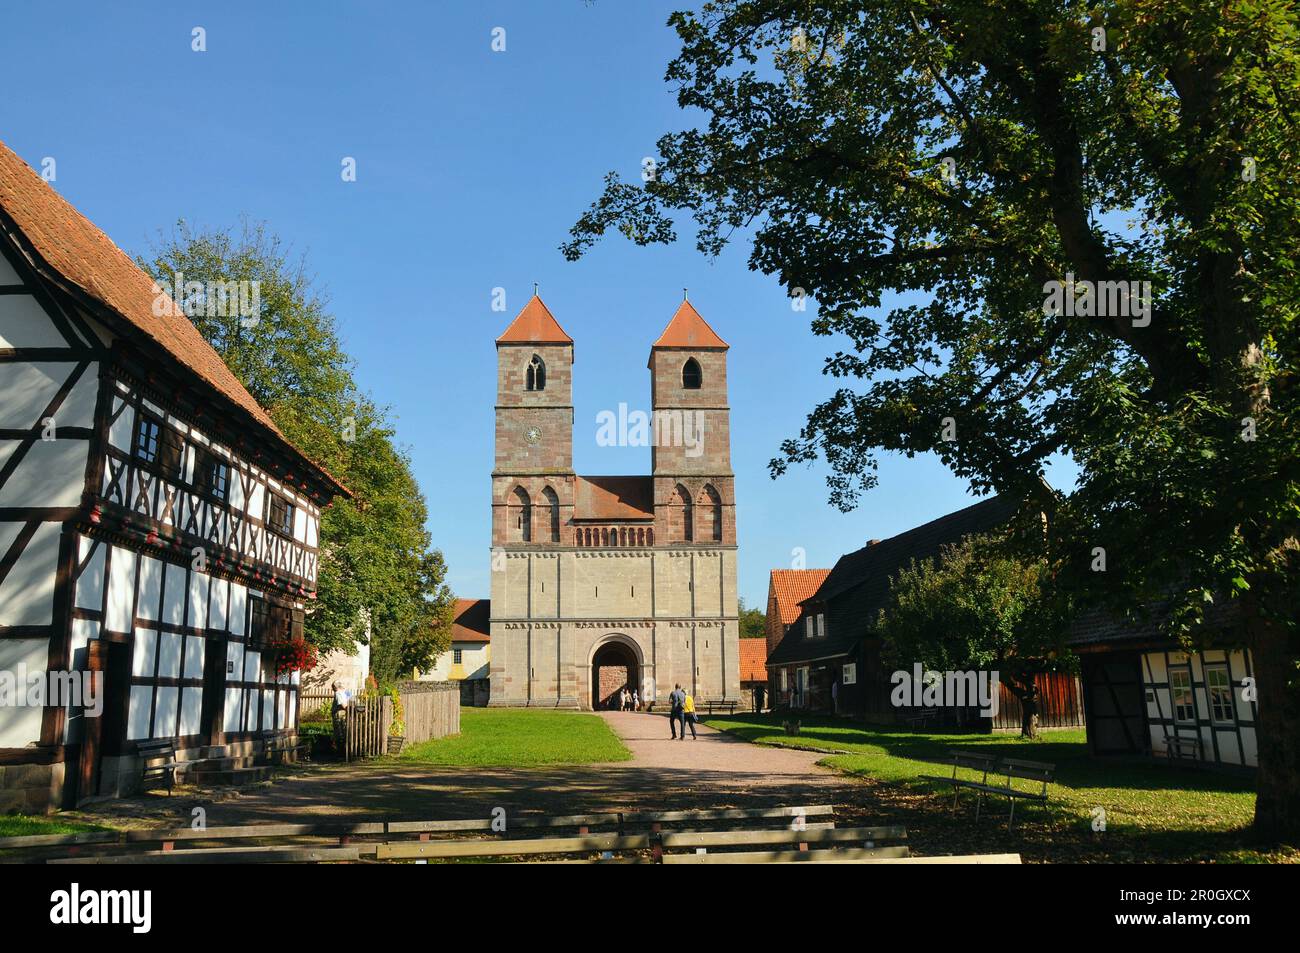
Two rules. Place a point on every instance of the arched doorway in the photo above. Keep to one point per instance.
(613, 666)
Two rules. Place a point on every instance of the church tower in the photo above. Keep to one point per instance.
(691, 456)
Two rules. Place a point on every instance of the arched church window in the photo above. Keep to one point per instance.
(553, 511)
(521, 516)
(692, 376)
(710, 513)
(681, 516)
(536, 374)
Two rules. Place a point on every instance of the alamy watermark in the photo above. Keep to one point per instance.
(668, 428)
(20, 688)
(922, 688)
(1100, 299)
(212, 299)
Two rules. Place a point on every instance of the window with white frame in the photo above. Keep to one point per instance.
(809, 627)
(821, 625)
(1180, 694)
(783, 679)
(849, 673)
(1218, 688)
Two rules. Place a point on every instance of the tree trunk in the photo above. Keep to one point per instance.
(1026, 693)
(1277, 731)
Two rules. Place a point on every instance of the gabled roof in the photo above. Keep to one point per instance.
(858, 587)
(470, 622)
(688, 329)
(753, 660)
(613, 498)
(793, 586)
(70, 249)
(534, 325)
(1098, 627)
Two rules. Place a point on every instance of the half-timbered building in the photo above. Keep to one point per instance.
(156, 528)
(1147, 694)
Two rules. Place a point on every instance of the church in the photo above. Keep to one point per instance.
(601, 582)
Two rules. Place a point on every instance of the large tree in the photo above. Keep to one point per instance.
(958, 157)
(379, 572)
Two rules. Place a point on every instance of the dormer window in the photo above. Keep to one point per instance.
(536, 374)
(692, 377)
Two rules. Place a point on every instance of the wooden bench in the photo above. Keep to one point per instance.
(922, 717)
(276, 749)
(720, 705)
(1012, 768)
(159, 763)
(969, 761)
(1176, 745)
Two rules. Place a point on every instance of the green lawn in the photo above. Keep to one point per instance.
(24, 825)
(1152, 810)
(508, 737)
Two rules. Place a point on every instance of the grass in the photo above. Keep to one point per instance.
(506, 737)
(1153, 811)
(25, 825)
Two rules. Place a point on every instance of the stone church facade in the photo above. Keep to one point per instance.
(604, 581)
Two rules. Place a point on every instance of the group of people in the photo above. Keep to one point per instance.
(681, 713)
(627, 700)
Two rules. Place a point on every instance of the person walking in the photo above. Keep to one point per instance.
(636, 700)
(339, 714)
(676, 701)
(688, 717)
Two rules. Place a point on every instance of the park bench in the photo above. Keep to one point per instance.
(1178, 746)
(1035, 771)
(720, 705)
(1011, 769)
(923, 717)
(967, 761)
(159, 763)
(279, 749)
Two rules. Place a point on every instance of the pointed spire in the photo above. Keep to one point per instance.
(688, 329)
(534, 325)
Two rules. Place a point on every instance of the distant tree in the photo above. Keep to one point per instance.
(753, 622)
(377, 559)
(977, 608)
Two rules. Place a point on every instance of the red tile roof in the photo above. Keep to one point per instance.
(793, 586)
(688, 329)
(753, 660)
(470, 623)
(534, 325)
(69, 247)
(613, 498)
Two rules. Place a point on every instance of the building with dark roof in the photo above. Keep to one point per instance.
(1147, 694)
(158, 533)
(830, 660)
(606, 582)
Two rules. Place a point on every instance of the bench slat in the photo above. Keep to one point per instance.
(512, 848)
(843, 855)
(827, 836)
(225, 855)
(254, 830)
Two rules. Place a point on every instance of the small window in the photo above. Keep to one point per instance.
(1180, 693)
(849, 674)
(692, 378)
(147, 432)
(212, 475)
(457, 656)
(1219, 689)
(809, 627)
(280, 514)
(536, 376)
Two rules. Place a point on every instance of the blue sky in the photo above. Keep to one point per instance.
(471, 167)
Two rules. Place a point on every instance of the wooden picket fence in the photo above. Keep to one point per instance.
(366, 725)
(430, 710)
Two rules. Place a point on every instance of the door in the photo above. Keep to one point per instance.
(1113, 697)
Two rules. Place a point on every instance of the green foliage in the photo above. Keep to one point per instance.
(1122, 164)
(975, 608)
(378, 570)
(753, 622)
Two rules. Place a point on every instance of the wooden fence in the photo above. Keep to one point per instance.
(366, 725)
(1060, 703)
(430, 709)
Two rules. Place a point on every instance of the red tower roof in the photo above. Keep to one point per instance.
(534, 325)
(688, 329)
